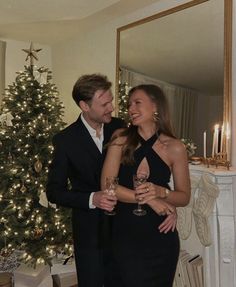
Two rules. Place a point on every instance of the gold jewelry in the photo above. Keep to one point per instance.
(155, 116)
(167, 192)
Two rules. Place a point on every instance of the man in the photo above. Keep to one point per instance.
(78, 156)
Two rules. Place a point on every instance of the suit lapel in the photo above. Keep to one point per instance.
(107, 133)
(87, 141)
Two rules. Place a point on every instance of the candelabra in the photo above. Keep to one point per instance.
(220, 159)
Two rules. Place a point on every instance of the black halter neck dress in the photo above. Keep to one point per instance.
(144, 257)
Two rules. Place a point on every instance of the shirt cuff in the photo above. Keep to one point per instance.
(91, 205)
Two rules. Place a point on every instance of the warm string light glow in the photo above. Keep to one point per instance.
(24, 178)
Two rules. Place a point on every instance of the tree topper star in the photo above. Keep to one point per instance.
(31, 53)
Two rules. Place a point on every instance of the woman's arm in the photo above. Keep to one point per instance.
(181, 179)
(111, 167)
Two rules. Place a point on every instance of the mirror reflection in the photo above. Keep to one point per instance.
(183, 53)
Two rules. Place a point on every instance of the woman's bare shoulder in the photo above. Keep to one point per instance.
(172, 144)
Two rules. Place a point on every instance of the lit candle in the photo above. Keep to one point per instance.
(227, 134)
(217, 139)
(222, 139)
(204, 145)
(213, 143)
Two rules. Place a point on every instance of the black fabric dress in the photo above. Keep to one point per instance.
(144, 257)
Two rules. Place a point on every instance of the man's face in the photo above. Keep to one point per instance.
(101, 108)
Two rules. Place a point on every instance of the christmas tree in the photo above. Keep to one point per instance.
(31, 114)
(123, 101)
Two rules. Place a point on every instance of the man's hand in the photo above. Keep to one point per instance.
(160, 207)
(169, 223)
(104, 200)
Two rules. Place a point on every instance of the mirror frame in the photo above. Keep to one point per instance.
(228, 8)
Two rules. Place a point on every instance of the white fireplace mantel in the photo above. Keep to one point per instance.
(220, 257)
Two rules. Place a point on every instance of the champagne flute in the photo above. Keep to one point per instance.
(111, 184)
(139, 179)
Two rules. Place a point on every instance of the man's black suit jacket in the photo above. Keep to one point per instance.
(77, 158)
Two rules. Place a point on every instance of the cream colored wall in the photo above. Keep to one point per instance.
(91, 53)
(94, 51)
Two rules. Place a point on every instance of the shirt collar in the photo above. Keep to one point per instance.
(91, 130)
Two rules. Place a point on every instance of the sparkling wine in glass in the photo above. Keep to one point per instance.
(139, 179)
(111, 184)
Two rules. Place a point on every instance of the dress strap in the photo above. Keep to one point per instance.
(149, 142)
(144, 149)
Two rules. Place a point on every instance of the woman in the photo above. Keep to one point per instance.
(144, 255)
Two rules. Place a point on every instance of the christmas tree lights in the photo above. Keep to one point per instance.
(123, 101)
(31, 114)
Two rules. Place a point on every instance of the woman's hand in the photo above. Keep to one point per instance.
(149, 191)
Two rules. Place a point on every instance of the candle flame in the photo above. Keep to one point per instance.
(227, 132)
(217, 126)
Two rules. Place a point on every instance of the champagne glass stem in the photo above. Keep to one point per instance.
(111, 184)
(138, 180)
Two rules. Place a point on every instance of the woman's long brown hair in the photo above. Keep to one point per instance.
(163, 123)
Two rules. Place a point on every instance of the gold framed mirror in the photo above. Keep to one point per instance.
(187, 48)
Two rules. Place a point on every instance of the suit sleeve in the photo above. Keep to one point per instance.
(57, 186)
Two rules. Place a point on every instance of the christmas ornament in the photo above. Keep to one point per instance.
(41, 77)
(38, 166)
(37, 233)
(23, 188)
(0, 144)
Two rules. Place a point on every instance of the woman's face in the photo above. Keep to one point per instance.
(141, 108)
